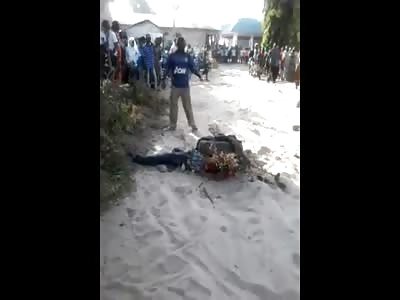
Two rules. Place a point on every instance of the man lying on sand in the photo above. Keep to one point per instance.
(220, 154)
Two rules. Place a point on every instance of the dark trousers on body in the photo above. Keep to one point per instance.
(174, 159)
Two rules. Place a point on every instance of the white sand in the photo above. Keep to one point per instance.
(168, 241)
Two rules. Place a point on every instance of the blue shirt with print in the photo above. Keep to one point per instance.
(148, 53)
(179, 65)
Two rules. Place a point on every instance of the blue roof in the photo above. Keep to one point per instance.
(245, 26)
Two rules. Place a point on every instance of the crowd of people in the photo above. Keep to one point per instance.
(282, 63)
(276, 62)
(126, 60)
(232, 54)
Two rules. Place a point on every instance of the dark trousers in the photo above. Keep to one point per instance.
(275, 72)
(174, 159)
(133, 73)
(125, 74)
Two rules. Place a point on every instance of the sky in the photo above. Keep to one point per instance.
(206, 12)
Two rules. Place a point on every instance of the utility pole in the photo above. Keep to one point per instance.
(175, 7)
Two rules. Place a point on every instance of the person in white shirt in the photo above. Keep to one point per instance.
(173, 48)
(132, 57)
(102, 38)
(111, 41)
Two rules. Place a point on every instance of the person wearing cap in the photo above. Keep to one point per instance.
(180, 64)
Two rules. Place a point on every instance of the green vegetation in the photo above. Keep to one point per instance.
(281, 23)
(120, 113)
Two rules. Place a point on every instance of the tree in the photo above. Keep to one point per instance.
(282, 23)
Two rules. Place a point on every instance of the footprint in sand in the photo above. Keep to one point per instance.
(183, 190)
(142, 217)
(131, 212)
(173, 264)
(195, 290)
(149, 236)
(178, 291)
(156, 212)
(193, 223)
(162, 202)
(254, 220)
(203, 218)
(259, 233)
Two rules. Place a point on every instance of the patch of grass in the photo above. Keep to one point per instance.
(120, 112)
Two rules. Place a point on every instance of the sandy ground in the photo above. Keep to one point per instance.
(169, 241)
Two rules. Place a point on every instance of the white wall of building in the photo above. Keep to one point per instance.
(194, 36)
(144, 28)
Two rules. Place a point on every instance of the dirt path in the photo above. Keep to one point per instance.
(168, 241)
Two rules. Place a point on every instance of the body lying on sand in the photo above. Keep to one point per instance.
(217, 158)
(206, 158)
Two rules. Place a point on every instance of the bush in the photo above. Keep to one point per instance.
(118, 115)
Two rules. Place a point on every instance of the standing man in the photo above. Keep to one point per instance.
(111, 46)
(123, 38)
(118, 52)
(141, 66)
(103, 50)
(275, 61)
(148, 52)
(206, 63)
(179, 65)
(157, 55)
